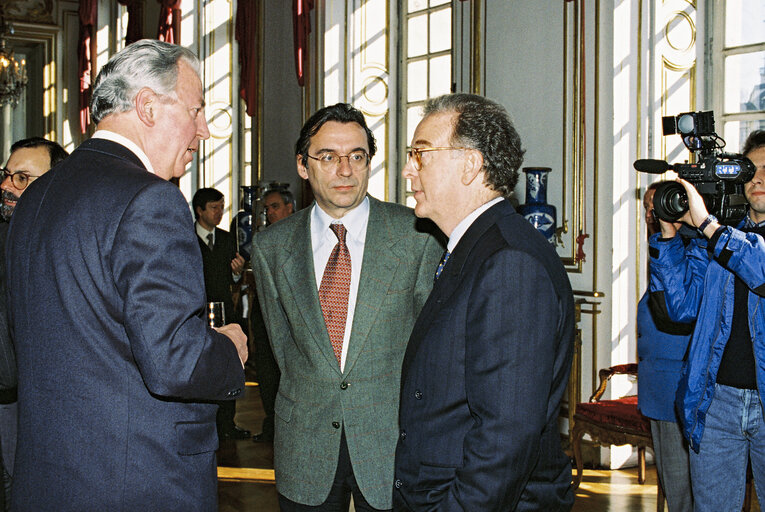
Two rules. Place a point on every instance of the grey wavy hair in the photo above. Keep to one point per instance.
(145, 63)
(484, 125)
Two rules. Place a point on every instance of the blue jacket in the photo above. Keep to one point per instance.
(660, 356)
(699, 288)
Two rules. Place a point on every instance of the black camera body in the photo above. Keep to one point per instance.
(718, 177)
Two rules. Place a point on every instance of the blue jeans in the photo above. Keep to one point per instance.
(734, 433)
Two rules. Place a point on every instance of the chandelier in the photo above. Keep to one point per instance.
(13, 74)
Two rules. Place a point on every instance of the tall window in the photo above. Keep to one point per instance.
(427, 59)
(738, 71)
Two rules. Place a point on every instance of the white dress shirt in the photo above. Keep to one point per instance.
(124, 141)
(203, 233)
(323, 240)
(465, 223)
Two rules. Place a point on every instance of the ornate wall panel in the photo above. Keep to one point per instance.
(355, 61)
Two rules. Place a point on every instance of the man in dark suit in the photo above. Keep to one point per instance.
(116, 363)
(29, 159)
(489, 356)
(340, 285)
(222, 266)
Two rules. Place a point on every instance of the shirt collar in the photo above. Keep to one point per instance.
(465, 223)
(124, 141)
(751, 224)
(355, 221)
(202, 232)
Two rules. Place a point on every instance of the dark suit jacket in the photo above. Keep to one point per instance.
(315, 401)
(483, 375)
(217, 270)
(7, 353)
(113, 351)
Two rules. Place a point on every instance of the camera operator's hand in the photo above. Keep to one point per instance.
(668, 229)
(697, 210)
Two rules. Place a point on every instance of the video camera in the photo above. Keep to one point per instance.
(719, 177)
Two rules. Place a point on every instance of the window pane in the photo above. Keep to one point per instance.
(745, 82)
(434, 3)
(441, 30)
(416, 5)
(440, 75)
(413, 118)
(736, 132)
(417, 80)
(417, 34)
(744, 22)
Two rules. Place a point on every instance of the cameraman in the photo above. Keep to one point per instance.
(718, 280)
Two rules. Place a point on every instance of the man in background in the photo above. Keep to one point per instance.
(662, 345)
(30, 158)
(222, 267)
(116, 363)
(340, 284)
(279, 204)
(488, 359)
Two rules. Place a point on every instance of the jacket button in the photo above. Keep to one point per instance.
(398, 483)
(403, 435)
(418, 394)
(344, 385)
(336, 424)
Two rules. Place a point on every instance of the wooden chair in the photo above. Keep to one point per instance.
(611, 422)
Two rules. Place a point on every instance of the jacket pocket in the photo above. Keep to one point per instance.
(283, 407)
(434, 478)
(194, 438)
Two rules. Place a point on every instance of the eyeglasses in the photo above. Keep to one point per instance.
(20, 179)
(329, 160)
(415, 154)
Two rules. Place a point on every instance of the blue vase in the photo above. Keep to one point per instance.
(243, 221)
(536, 210)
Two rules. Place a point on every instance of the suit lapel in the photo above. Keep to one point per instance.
(299, 273)
(452, 275)
(377, 271)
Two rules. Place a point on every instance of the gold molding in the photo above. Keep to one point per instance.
(46, 36)
(476, 83)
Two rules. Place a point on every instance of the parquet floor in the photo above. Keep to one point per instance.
(601, 490)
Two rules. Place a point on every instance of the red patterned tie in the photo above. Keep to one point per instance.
(334, 289)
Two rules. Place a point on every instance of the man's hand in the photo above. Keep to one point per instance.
(668, 229)
(237, 264)
(697, 210)
(236, 335)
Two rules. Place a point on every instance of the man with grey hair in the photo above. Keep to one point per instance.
(489, 357)
(117, 366)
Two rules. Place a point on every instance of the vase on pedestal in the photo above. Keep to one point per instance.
(243, 221)
(536, 210)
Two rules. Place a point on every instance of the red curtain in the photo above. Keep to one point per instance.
(135, 20)
(169, 29)
(247, 36)
(301, 27)
(86, 54)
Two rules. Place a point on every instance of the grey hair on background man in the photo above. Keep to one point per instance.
(484, 125)
(145, 63)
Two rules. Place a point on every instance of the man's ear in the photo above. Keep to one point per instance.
(146, 103)
(473, 166)
(302, 171)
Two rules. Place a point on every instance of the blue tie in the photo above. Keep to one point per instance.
(441, 265)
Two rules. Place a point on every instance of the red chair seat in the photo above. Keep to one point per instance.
(622, 412)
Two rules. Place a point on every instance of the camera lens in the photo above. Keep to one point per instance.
(670, 201)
